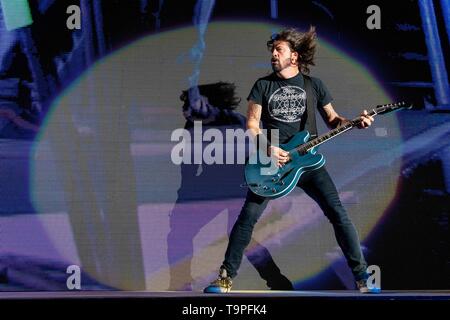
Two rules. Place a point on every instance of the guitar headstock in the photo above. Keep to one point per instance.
(385, 108)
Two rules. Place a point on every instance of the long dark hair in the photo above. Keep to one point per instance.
(302, 43)
(220, 94)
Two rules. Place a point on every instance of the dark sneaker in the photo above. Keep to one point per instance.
(221, 285)
(363, 287)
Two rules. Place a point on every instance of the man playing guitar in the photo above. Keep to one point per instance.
(279, 102)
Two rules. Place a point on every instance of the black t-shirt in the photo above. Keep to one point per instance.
(283, 103)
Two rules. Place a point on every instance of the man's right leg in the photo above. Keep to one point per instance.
(240, 237)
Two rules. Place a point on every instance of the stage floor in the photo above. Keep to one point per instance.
(238, 294)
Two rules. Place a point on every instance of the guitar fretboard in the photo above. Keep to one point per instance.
(304, 148)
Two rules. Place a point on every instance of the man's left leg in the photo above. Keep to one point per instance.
(319, 186)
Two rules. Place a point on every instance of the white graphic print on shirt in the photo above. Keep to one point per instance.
(287, 104)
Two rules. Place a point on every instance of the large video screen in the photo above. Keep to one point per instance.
(123, 146)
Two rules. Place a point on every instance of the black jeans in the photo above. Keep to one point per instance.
(319, 186)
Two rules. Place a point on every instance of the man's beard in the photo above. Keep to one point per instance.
(279, 66)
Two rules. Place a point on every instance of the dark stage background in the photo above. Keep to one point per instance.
(86, 118)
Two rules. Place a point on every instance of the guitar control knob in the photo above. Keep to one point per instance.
(265, 187)
(276, 177)
(281, 182)
(274, 190)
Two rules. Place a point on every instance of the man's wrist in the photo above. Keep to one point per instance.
(340, 121)
(262, 143)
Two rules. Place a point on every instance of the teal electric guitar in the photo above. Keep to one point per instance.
(270, 181)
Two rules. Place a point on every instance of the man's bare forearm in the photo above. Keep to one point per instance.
(253, 118)
(254, 128)
(331, 117)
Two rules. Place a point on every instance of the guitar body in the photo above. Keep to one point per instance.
(269, 181)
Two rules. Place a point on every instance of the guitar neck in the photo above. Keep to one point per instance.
(332, 133)
(383, 109)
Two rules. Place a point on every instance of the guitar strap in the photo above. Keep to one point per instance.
(310, 121)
